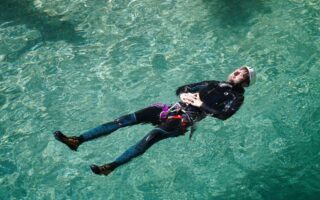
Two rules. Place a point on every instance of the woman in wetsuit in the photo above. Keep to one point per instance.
(219, 99)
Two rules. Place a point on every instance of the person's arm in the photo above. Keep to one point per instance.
(230, 107)
(194, 87)
(222, 111)
(192, 99)
(208, 110)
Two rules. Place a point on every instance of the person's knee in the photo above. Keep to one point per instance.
(126, 120)
(153, 135)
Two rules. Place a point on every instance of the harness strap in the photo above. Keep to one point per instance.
(172, 112)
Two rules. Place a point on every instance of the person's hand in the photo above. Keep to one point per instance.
(191, 98)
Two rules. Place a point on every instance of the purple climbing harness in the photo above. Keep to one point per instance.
(175, 111)
(172, 111)
(165, 110)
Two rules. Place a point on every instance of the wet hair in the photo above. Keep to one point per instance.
(246, 76)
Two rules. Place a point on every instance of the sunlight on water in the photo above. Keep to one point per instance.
(72, 65)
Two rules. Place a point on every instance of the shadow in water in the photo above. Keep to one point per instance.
(51, 28)
(236, 13)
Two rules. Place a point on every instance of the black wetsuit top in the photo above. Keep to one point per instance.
(220, 99)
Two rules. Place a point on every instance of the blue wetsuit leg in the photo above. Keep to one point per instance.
(107, 128)
(138, 149)
(146, 115)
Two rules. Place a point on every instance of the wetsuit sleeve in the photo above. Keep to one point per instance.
(230, 107)
(194, 87)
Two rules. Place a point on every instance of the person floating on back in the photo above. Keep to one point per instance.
(219, 99)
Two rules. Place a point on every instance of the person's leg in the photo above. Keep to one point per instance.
(107, 128)
(146, 115)
(75, 141)
(136, 150)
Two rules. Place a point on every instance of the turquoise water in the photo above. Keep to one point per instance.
(71, 65)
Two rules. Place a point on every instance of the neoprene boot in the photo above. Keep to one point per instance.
(103, 169)
(72, 142)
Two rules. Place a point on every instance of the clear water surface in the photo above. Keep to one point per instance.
(72, 65)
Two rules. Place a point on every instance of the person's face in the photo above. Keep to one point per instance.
(238, 76)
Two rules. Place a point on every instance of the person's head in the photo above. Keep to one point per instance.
(243, 76)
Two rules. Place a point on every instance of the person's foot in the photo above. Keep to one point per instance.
(72, 142)
(103, 169)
